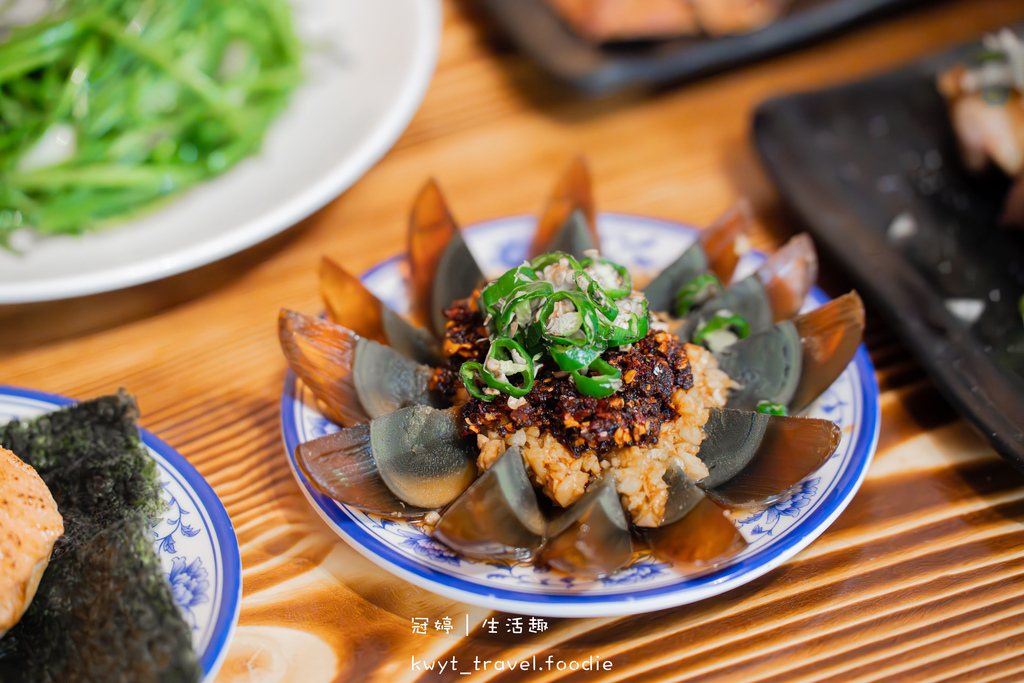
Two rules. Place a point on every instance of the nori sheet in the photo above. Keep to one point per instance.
(104, 610)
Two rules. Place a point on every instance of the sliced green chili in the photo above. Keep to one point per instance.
(533, 341)
(696, 292)
(771, 408)
(604, 302)
(601, 385)
(722, 320)
(637, 325)
(588, 322)
(545, 260)
(504, 286)
(571, 358)
(521, 312)
(469, 373)
(504, 351)
(519, 306)
(624, 288)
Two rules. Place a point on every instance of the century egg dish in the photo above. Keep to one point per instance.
(559, 413)
(582, 389)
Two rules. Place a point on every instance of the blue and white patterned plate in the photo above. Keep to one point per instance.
(774, 535)
(194, 538)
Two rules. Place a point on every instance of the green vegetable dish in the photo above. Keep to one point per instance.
(109, 106)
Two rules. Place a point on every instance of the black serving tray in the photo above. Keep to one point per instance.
(600, 69)
(851, 160)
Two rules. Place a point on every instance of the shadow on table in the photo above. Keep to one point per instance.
(25, 326)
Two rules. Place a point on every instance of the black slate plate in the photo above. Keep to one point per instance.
(600, 69)
(850, 161)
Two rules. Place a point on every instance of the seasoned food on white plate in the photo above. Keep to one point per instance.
(559, 414)
(986, 105)
(29, 526)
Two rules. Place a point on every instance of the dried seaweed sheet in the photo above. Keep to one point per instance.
(104, 610)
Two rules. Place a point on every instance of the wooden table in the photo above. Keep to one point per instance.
(920, 579)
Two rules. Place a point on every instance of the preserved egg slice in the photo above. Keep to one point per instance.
(569, 222)
(590, 539)
(441, 267)
(497, 518)
(754, 458)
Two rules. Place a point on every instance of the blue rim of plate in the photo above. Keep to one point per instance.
(217, 648)
(707, 584)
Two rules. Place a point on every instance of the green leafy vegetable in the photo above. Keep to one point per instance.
(107, 106)
(104, 609)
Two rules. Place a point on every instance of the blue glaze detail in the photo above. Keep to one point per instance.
(189, 584)
(765, 521)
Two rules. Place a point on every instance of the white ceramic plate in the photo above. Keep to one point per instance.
(368, 65)
(774, 535)
(194, 537)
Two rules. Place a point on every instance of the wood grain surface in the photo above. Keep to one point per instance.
(919, 580)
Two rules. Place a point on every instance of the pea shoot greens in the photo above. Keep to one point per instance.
(107, 106)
